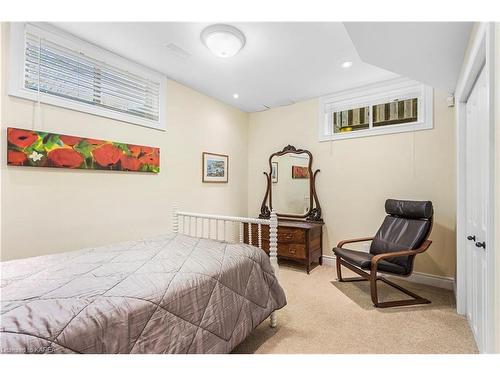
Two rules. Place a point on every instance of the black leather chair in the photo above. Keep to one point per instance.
(403, 234)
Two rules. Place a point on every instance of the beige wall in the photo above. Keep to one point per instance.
(49, 210)
(66, 209)
(357, 175)
(497, 187)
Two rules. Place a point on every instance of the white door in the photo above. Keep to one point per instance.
(477, 184)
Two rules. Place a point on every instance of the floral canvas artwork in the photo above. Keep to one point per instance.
(43, 149)
(300, 172)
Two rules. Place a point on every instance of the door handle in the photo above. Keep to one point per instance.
(471, 238)
(481, 244)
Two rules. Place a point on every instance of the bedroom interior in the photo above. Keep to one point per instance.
(206, 188)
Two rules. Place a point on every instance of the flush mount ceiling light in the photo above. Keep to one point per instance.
(223, 40)
(346, 64)
(236, 96)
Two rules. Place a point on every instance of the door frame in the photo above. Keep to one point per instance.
(481, 54)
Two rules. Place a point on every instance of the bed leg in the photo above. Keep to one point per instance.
(273, 256)
(273, 320)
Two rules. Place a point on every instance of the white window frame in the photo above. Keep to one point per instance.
(16, 74)
(370, 95)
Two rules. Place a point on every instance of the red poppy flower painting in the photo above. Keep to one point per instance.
(21, 138)
(300, 172)
(70, 140)
(147, 150)
(43, 149)
(16, 157)
(129, 163)
(150, 159)
(65, 158)
(135, 150)
(107, 155)
(95, 142)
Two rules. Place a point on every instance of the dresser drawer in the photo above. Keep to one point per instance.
(291, 235)
(292, 250)
(285, 235)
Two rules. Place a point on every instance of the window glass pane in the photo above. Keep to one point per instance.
(350, 120)
(395, 112)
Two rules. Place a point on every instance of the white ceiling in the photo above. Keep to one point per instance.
(429, 52)
(281, 63)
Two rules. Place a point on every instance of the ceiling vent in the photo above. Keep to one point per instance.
(177, 51)
(279, 103)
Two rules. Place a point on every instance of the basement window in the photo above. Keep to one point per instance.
(56, 68)
(394, 106)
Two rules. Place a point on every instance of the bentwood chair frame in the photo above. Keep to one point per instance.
(374, 275)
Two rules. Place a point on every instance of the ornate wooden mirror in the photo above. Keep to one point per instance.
(291, 189)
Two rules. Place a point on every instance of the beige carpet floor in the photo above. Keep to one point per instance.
(325, 316)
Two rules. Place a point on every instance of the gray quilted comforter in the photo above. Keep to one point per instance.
(167, 294)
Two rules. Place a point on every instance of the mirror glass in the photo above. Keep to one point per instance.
(290, 184)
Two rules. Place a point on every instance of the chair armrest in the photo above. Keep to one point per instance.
(425, 245)
(362, 239)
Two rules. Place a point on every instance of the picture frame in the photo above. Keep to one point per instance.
(215, 168)
(274, 172)
(300, 172)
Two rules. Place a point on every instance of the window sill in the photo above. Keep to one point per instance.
(388, 129)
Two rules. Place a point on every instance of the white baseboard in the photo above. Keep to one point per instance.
(416, 277)
(329, 260)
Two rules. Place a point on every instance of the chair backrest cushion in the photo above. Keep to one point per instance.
(409, 209)
(406, 226)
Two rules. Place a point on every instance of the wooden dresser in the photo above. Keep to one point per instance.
(299, 241)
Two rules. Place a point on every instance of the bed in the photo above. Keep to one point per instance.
(190, 291)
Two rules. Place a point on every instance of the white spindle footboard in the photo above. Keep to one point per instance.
(209, 226)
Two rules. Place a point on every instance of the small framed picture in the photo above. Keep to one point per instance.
(300, 172)
(215, 167)
(274, 172)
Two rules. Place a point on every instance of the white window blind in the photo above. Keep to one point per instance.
(66, 73)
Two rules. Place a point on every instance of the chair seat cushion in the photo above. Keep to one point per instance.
(363, 260)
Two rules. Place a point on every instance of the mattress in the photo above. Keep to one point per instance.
(168, 294)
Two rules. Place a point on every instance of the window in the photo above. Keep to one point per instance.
(351, 120)
(395, 112)
(389, 107)
(61, 70)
